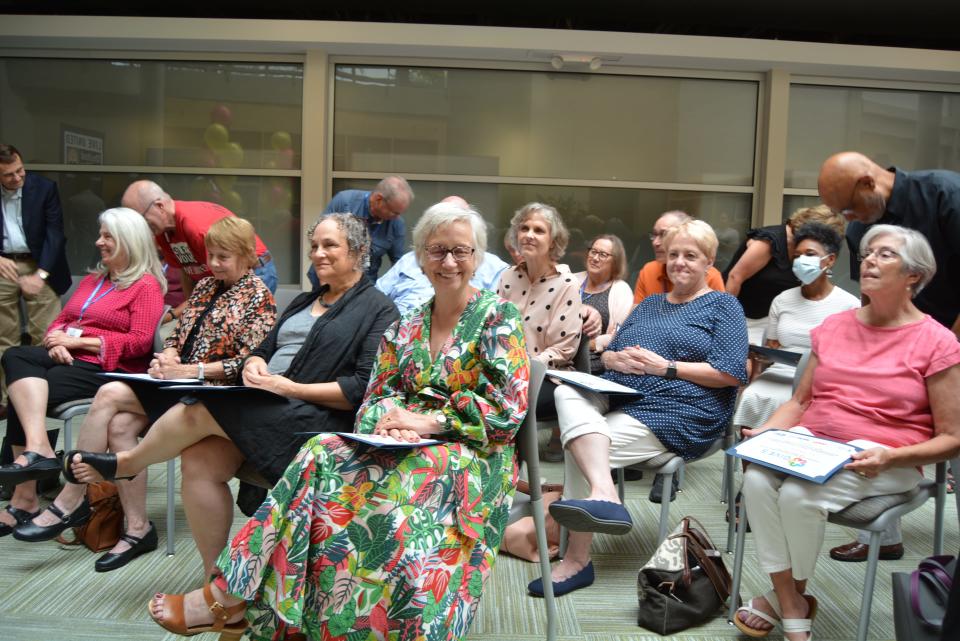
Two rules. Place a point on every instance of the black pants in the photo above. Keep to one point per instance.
(66, 382)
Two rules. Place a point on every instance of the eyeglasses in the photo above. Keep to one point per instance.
(149, 207)
(654, 235)
(600, 255)
(460, 253)
(883, 254)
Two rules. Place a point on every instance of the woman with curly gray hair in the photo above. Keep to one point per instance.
(315, 362)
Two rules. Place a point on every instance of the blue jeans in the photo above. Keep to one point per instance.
(268, 274)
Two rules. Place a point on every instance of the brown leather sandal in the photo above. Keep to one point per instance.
(221, 614)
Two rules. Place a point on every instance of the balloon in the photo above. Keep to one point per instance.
(208, 158)
(231, 155)
(232, 201)
(281, 140)
(285, 158)
(216, 136)
(221, 114)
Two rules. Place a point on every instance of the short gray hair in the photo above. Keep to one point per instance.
(441, 215)
(559, 236)
(355, 230)
(915, 252)
(132, 235)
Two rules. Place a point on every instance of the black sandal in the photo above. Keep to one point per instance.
(104, 463)
(19, 516)
(37, 467)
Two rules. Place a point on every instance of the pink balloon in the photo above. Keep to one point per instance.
(222, 115)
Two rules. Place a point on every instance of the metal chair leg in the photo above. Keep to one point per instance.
(737, 565)
(665, 507)
(171, 512)
(873, 559)
(621, 483)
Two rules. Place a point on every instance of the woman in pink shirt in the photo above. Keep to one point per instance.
(106, 326)
(882, 377)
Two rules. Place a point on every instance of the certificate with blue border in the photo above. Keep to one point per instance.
(796, 453)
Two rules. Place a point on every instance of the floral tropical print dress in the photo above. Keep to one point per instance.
(358, 543)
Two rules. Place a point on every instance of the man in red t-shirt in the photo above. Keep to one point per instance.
(179, 227)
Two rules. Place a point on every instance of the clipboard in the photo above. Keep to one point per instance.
(802, 455)
(146, 378)
(783, 356)
(219, 389)
(592, 383)
(382, 442)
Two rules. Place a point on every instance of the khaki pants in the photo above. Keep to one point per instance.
(42, 309)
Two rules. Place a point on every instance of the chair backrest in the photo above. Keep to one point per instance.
(284, 296)
(801, 368)
(581, 361)
(527, 442)
(159, 336)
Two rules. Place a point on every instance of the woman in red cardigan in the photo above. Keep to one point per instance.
(107, 325)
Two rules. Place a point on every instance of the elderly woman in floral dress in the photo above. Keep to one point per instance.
(396, 543)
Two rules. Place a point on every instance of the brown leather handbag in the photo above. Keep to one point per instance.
(103, 529)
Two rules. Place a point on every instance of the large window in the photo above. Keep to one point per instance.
(227, 132)
(668, 143)
(910, 129)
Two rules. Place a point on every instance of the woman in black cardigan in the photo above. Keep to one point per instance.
(311, 372)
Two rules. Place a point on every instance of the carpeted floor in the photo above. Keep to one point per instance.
(52, 593)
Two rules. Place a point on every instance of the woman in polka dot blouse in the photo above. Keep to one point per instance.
(546, 293)
(685, 352)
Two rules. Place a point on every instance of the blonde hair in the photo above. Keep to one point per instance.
(819, 214)
(441, 215)
(618, 266)
(699, 231)
(236, 236)
(132, 235)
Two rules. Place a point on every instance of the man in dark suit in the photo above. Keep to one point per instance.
(33, 260)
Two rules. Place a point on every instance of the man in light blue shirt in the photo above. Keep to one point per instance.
(408, 287)
(381, 208)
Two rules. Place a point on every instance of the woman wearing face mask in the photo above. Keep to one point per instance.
(793, 314)
(761, 268)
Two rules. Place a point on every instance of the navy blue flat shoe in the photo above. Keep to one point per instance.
(583, 515)
(581, 579)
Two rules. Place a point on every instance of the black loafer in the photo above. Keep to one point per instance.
(37, 467)
(138, 545)
(20, 516)
(34, 533)
(656, 492)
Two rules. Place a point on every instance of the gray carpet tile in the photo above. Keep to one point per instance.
(48, 592)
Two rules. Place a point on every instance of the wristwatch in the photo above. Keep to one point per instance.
(671, 372)
(43, 274)
(441, 420)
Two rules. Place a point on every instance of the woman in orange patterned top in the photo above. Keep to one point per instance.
(225, 318)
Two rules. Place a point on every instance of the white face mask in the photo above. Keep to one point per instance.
(807, 268)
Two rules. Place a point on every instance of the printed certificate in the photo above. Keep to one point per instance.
(146, 378)
(591, 382)
(802, 455)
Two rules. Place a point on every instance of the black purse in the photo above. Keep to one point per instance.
(684, 583)
(920, 599)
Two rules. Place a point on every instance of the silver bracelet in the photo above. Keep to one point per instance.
(200, 371)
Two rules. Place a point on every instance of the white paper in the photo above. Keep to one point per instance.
(797, 453)
(377, 440)
(149, 379)
(591, 382)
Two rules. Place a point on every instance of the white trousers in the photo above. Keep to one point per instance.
(581, 412)
(788, 515)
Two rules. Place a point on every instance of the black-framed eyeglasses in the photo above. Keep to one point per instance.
(883, 254)
(599, 254)
(460, 253)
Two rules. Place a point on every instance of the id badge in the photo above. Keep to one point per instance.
(75, 332)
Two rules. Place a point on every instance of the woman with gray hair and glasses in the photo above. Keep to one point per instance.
(884, 378)
(316, 361)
